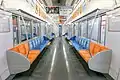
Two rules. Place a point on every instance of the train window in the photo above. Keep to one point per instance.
(70, 30)
(76, 29)
(73, 30)
(79, 29)
(35, 29)
(39, 28)
(84, 28)
(89, 28)
(93, 31)
(26, 31)
(42, 28)
(47, 30)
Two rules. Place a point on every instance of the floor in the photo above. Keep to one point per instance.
(59, 62)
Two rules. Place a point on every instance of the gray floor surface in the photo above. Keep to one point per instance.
(61, 64)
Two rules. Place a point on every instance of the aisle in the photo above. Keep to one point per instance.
(60, 63)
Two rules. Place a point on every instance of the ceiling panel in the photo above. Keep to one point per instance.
(60, 2)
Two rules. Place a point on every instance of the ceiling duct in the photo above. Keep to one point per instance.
(58, 1)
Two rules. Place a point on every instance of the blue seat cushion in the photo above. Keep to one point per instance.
(76, 45)
(45, 38)
(31, 45)
(84, 42)
(73, 38)
(43, 45)
(38, 43)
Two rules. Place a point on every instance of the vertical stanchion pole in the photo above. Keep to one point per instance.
(19, 29)
(25, 27)
(32, 27)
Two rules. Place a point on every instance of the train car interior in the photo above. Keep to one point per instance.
(59, 39)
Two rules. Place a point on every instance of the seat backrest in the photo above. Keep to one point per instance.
(15, 49)
(77, 39)
(95, 48)
(34, 43)
(22, 49)
(38, 40)
(45, 38)
(41, 39)
(31, 45)
(92, 45)
(87, 44)
(27, 48)
(102, 48)
(82, 41)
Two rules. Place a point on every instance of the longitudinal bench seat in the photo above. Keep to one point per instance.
(97, 56)
(80, 43)
(25, 51)
(21, 57)
(93, 50)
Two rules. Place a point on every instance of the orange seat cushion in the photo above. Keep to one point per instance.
(85, 55)
(21, 48)
(103, 48)
(86, 59)
(34, 51)
(24, 49)
(15, 49)
(96, 49)
(33, 55)
(27, 49)
(92, 45)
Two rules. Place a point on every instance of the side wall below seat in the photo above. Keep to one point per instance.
(17, 62)
(101, 61)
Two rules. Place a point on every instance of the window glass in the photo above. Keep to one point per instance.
(89, 27)
(26, 31)
(35, 29)
(79, 29)
(84, 28)
(76, 29)
(93, 31)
